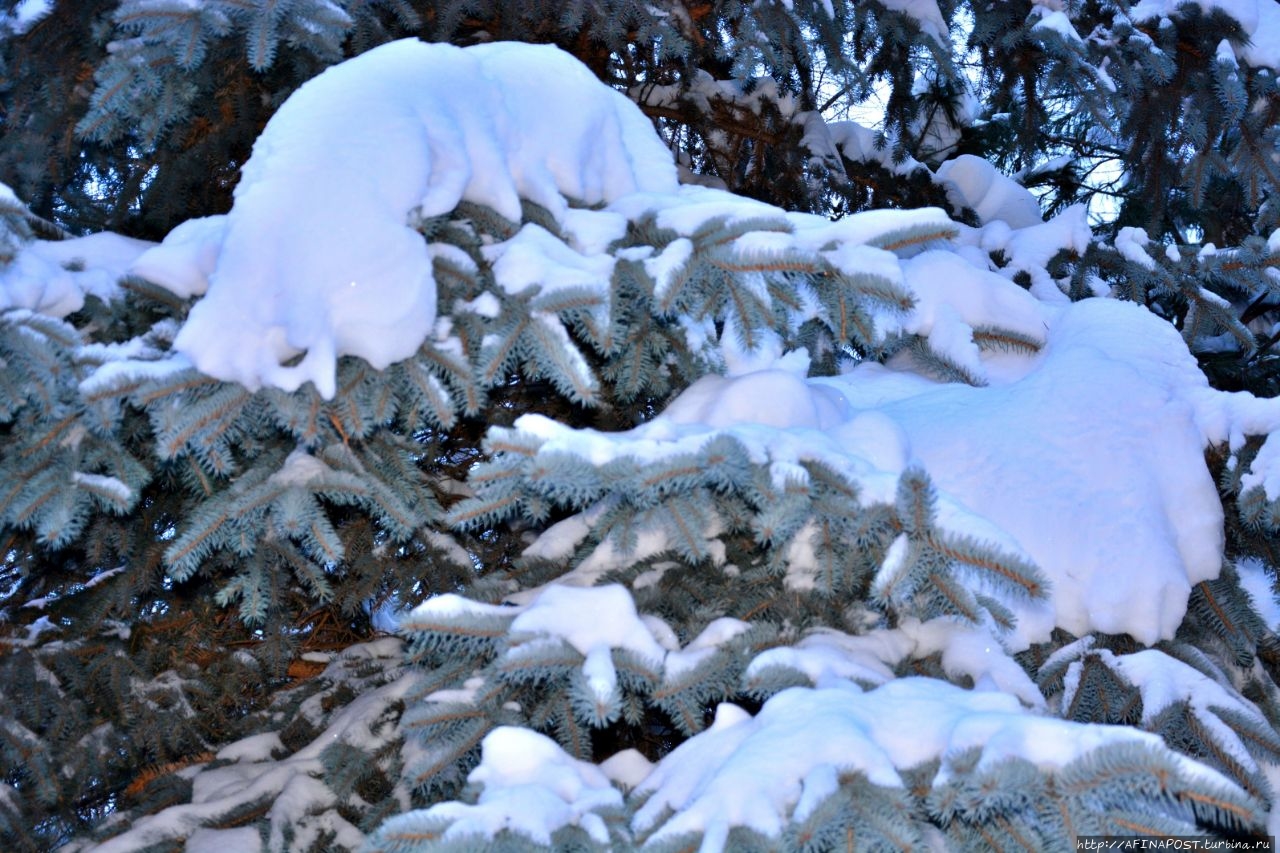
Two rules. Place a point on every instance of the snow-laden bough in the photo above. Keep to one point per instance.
(319, 257)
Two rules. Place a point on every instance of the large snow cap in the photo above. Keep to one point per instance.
(319, 259)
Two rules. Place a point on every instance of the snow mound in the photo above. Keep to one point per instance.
(926, 15)
(615, 623)
(319, 257)
(992, 195)
(554, 613)
(1164, 681)
(532, 787)
(186, 258)
(1121, 515)
(760, 772)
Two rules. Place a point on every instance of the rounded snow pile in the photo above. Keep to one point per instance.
(317, 258)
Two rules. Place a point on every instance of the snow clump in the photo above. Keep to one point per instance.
(319, 257)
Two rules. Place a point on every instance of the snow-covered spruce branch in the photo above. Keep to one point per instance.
(863, 532)
(953, 775)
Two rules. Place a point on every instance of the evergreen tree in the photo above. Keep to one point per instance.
(804, 426)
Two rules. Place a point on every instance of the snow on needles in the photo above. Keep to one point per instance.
(318, 257)
(531, 786)
(53, 277)
(555, 612)
(757, 771)
(1259, 20)
(764, 771)
(1119, 512)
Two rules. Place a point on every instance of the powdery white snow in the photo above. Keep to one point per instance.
(535, 257)
(972, 652)
(614, 623)
(992, 195)
(1131, 243)
(825, 655)
(1056, 21)
(1264, 470)
(532, 787)
(1030, 249)
(627, 768)
(891, 567)
(665, 267)
(702, 647)
(259, 747)
(1257, 582)
(319, 258)
(1120, 512)
(954, 298)
(702, 89)
(131, 369)
(242, 839)
(53, 277)
(858, 143)
(594, 621)
(26, 15)
(186, 257)
(926, 15)
(725, 401)
(1086, 458)
(283, 297)
(759, 772)
(452, 606)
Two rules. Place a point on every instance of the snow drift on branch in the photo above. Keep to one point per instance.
(758, 771)
(319, 257)
(1023, 463)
